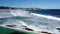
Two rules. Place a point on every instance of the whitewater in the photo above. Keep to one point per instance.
(35, 21)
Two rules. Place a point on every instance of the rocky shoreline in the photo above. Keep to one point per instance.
(29, 29)
(14, 8)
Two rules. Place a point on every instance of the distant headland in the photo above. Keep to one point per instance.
(14, 8)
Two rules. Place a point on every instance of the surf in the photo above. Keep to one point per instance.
(46, 16)
(35, 21)
(20, 13)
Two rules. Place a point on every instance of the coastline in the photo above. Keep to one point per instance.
(14, 8)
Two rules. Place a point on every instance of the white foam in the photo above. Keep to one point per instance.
(24, 13)
(19, 13)
(45, 16)
(5, 14)
(23, 23)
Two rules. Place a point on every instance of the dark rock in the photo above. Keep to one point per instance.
(46, 32)
(49, 33)
(58, 28)
(11, 25)
(29, 29)
(24, 26)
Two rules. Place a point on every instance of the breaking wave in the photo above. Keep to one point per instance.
(35, 21)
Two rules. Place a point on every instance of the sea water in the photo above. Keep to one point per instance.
(38, 20)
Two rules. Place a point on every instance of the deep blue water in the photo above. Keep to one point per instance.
(52, 12)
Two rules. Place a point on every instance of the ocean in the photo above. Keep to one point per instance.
(47, 20)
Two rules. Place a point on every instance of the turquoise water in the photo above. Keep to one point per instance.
(37, 21)
(4, 30)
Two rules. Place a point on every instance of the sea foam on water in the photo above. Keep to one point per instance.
(34, 21)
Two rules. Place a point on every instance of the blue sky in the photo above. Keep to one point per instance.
(45, 4)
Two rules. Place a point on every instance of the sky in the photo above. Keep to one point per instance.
(44, 4)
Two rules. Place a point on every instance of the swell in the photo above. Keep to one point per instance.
(51, 12)
(35, 21)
